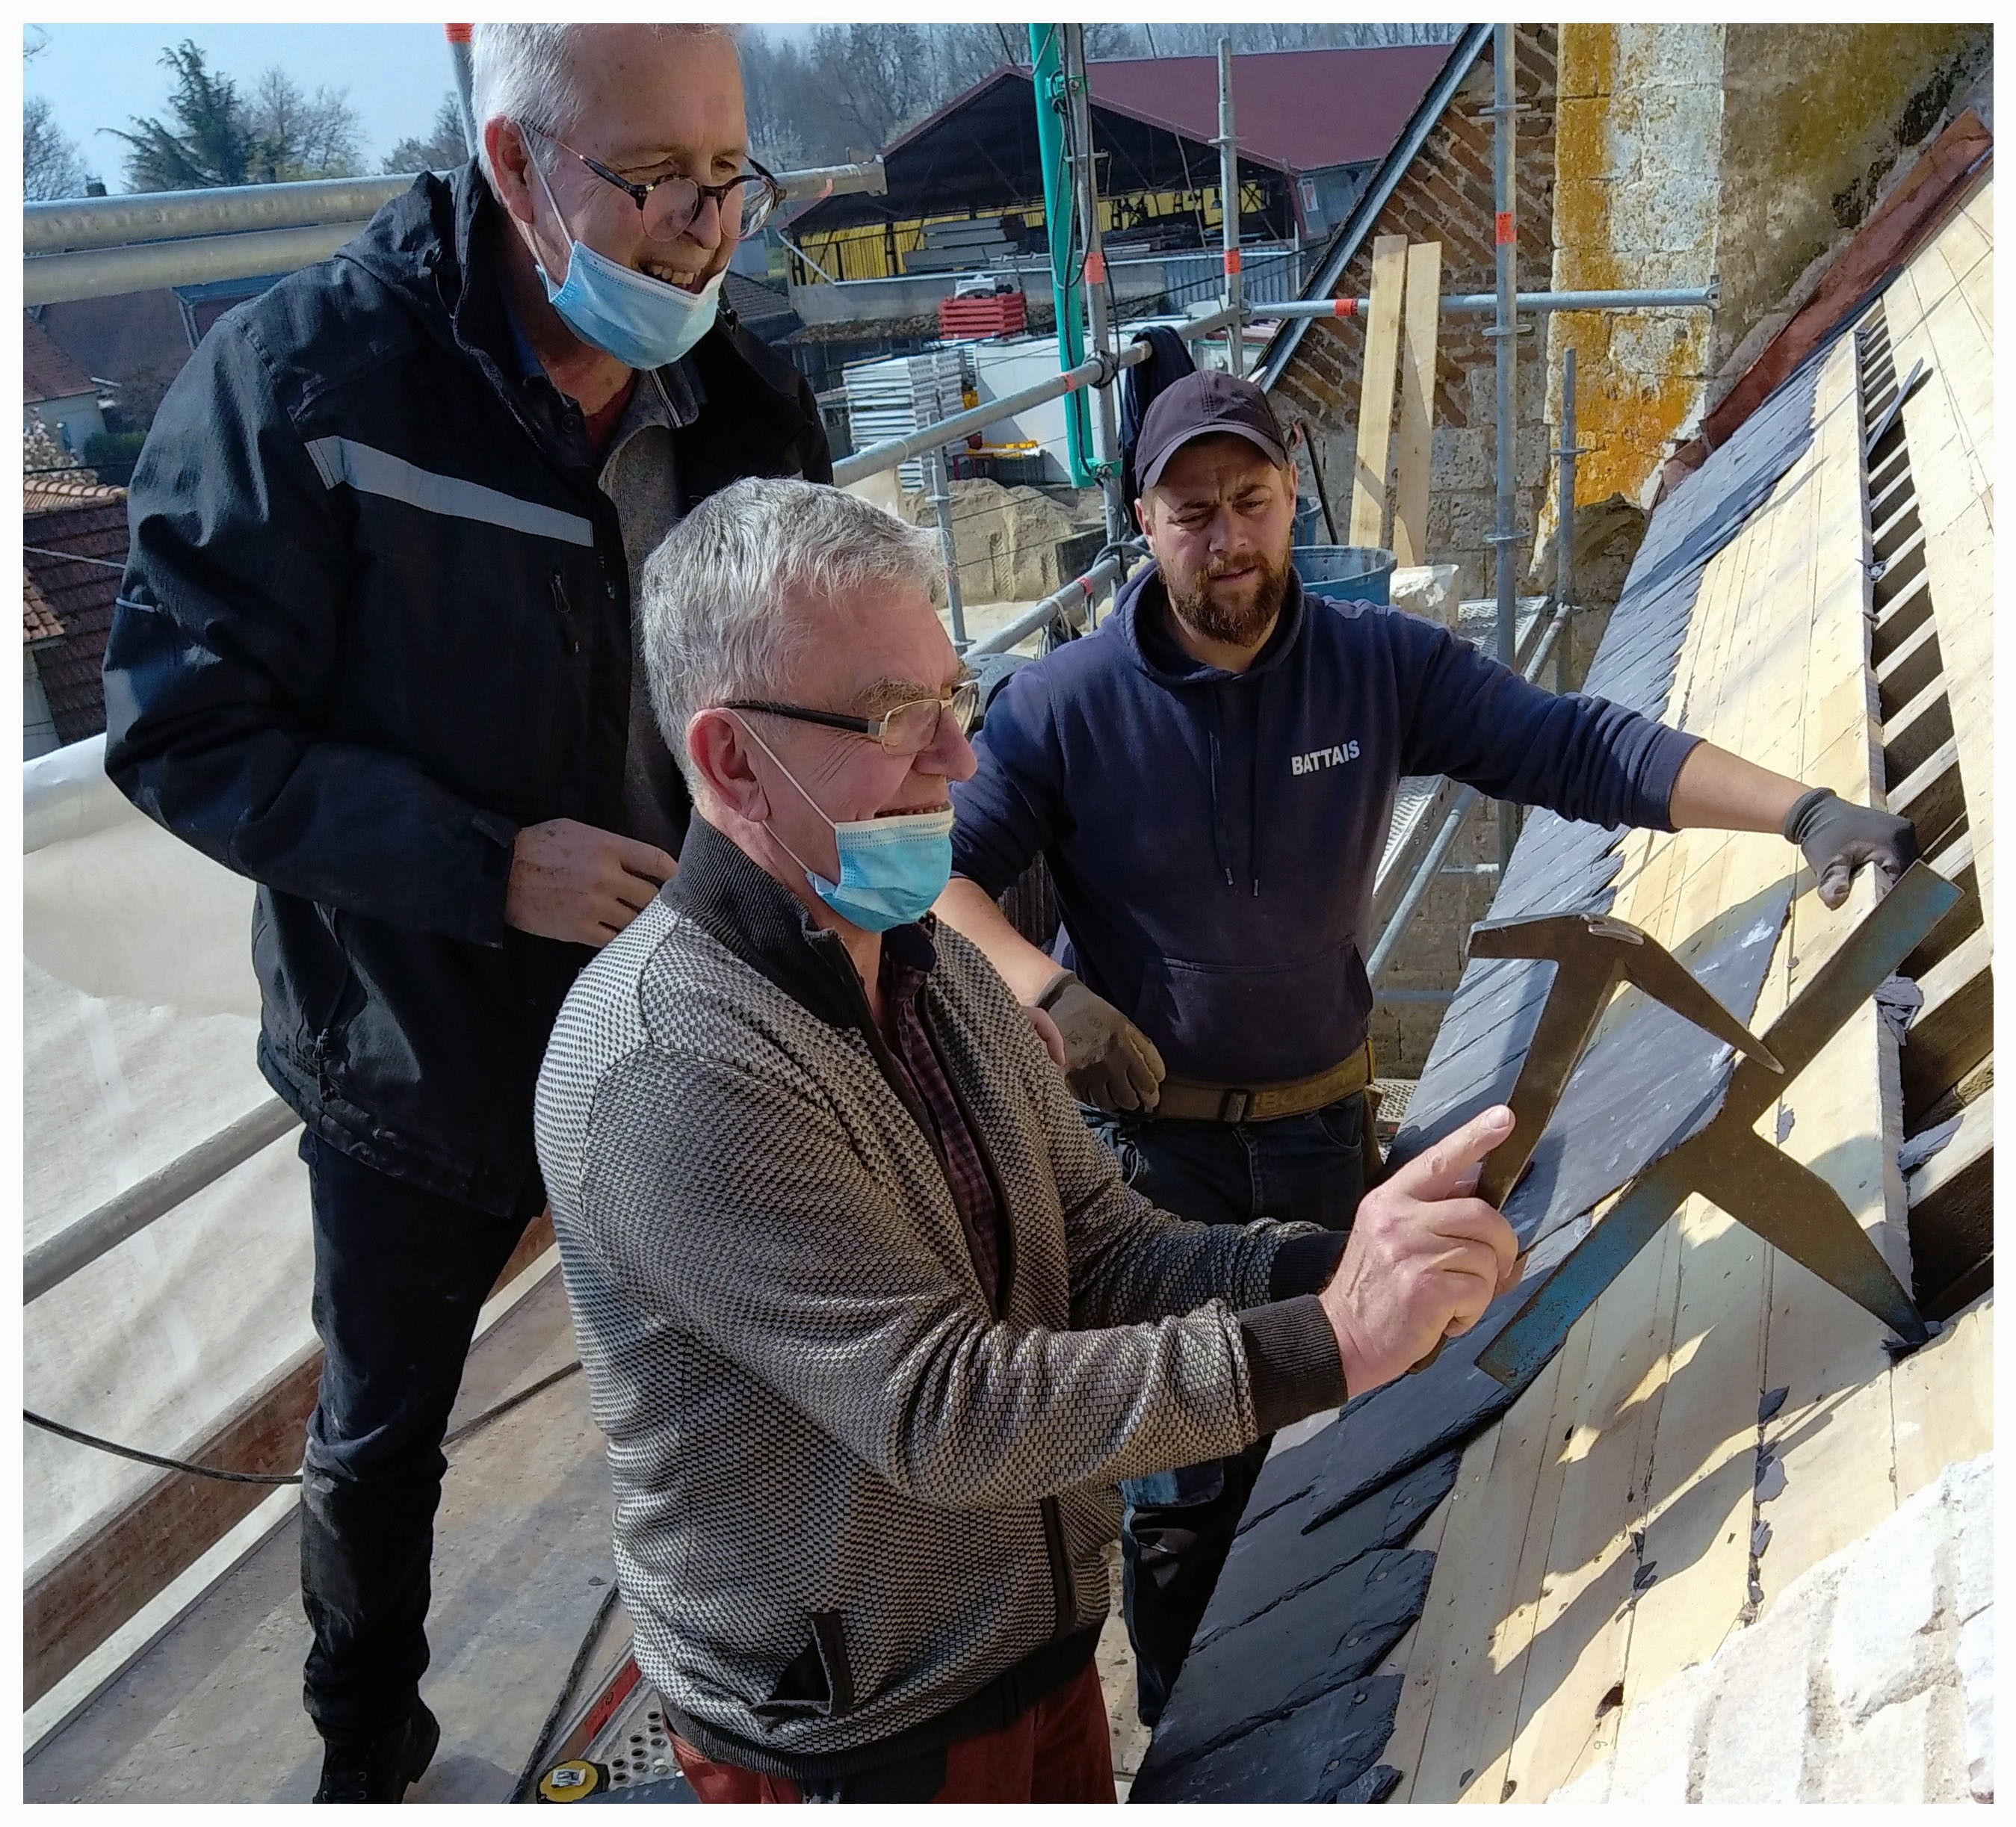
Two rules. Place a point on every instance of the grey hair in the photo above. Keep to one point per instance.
(717, 619)
(527, 74)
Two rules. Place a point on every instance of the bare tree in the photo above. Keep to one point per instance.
(442, 150)
(50, 166)
(300, 136)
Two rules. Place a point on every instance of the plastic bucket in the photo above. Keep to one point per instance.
(1363, 574)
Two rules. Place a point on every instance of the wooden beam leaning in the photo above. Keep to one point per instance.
(1420, 321)
(72, 1606)
(1375, 392)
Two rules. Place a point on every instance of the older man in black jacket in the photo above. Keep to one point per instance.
(373, 649)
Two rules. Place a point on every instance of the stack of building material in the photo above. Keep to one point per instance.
(901, 394)
(999, 314)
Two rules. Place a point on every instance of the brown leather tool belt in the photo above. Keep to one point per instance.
(1194, 1099)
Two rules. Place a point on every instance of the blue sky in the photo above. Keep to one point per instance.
(97, 76)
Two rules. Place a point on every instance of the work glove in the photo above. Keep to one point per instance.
(1108, 1062)
(1838, 838)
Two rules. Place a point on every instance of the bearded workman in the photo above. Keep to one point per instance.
(1210, 780)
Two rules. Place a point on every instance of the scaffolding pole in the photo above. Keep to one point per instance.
(1565, 455)
(104, 247)
(941, 500)
(1505, 330)
(1084, 181)
(1047, 80)
(1227, 198)
(460, 57)
(1528, 303)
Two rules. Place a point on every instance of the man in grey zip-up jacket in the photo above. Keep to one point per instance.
(871, 1322)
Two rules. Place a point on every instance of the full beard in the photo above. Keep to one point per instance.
(1236, 626)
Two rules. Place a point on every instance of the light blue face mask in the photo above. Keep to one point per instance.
(891, 869)
(643, 322)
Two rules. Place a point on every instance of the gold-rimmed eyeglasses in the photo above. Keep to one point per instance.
(908, 729)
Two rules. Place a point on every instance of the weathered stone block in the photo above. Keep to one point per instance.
(1888, 1599)
(1583, 209)
(1970, 1494)
(1586, 144)
(1655, 1742)
(1672, 213)
(1885, 1759)
(1586, 55)
(1685, 56)
(1762, 1676)
(1460, 459)
(1975, 1659)
(1678, 129)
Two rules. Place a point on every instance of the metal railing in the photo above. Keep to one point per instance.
(1098, 371)
(103, 247)
(1706, 297)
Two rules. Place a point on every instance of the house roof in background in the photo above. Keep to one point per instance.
(1295, 110)
(38, 621)
(47, 373)
(77, 553)
(1154, 119)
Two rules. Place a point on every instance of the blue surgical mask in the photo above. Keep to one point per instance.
(643, 322)
(891, 869)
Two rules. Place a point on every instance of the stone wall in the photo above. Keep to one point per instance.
(1445, 196)
(1872, 1679)
(1637, 196)
(1688, 152)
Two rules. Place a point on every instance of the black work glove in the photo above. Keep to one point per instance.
(1108, 1062)
(1838, 838)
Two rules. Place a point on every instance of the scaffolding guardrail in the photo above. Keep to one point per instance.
(1707, 297)
(103, 247)
(1095, 372)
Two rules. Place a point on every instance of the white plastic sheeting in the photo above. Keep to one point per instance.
(140, 1017)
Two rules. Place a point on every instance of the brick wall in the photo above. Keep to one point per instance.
(1445, 196)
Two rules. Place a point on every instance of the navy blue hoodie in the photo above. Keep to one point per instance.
(1213, 835)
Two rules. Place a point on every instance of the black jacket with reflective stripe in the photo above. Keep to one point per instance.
(376, 619)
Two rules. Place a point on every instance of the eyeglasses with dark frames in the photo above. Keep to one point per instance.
(669, 204)
(908, 729)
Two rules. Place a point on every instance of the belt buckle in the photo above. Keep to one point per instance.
(1234, 1105)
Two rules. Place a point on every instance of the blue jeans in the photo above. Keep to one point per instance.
(400, 1275)
(1178, 1525)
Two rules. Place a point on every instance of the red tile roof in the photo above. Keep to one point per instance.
(47, 373)
(39, 620)
(59, 545)
(41, 494)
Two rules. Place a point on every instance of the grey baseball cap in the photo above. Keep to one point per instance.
(1200, 405)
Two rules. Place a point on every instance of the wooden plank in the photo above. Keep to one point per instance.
(1953, 1210)
(1410, 1719)
(75, 1604)
(1954, 1031)
(1375, 391)
(1496, 1709)
(1833, 1440)
(1473, 1590)
(1417, 402)
(1940, 313)
(1943, 1400)
(1606, 1426)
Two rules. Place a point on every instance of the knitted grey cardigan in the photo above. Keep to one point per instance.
(848, 1495)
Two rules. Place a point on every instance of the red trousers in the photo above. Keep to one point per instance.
(1058, 1751)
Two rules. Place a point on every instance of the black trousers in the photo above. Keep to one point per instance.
(400, 1276)
(1178, 1525)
